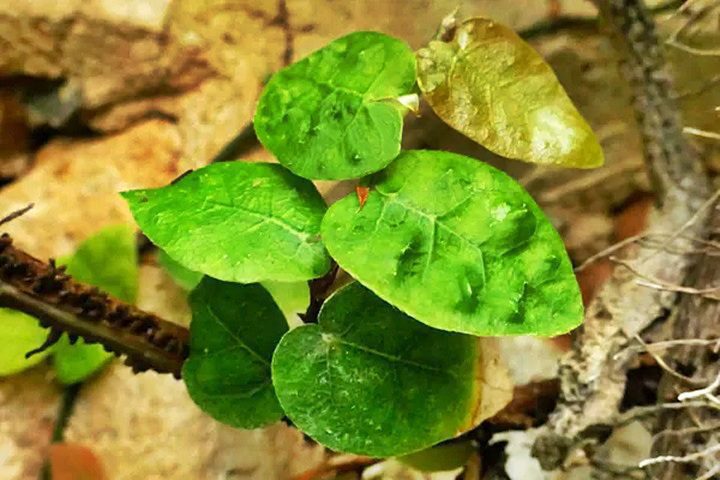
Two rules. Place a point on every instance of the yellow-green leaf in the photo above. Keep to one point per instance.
(489, 84)
(19, 333)
(440, 458)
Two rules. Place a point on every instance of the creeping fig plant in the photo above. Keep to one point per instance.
(442, 247)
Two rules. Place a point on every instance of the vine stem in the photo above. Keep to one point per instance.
(64, 305)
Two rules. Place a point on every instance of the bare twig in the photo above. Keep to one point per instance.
(699, 14)
(609, 251)
(692, 457)
(319, 289)
(645, 411)
(16, 214)
(707, 392)
(682, 342)
(710, 473)
(702, 133)
(659, 360)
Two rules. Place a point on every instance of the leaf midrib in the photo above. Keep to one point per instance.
(241, 343)
(389, 357)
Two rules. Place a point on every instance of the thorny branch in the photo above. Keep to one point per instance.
(47, 293)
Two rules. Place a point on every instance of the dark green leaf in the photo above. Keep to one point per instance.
(335, 114)
(372, 381)
(235, 221)
(458, 245)
(233, 333)
(107, 260)
(490, 85)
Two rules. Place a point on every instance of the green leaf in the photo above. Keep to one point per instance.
(440, 458)
(75, 363)
(370, 380)
(107, 260)
(335, 115)
(236, 221)
(233, 333)
(490, 85)
(184, 277)
(292, 298)
(19, 333)
(458, 245)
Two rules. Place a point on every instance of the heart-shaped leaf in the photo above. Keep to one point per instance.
(235, 221)
(458, 245)
(233, 334)
(370, 380)
(335, 115)
(489, 84)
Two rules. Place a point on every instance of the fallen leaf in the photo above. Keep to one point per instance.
(71, 461)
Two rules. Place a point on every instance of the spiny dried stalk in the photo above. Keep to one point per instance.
(60, 303)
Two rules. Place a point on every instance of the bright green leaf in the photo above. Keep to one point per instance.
(372, 381)
(237, 221)
(19, 333)
(335, 114)
(440, 458)
(107, 260)
(490, 85)
(184, 277)
(75, 363)
(233, 334)
(458, 245)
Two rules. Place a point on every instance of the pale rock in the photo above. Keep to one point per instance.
(29, 405)
(75, 185)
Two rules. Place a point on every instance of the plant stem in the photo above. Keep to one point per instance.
(319, 288)
(60, 303)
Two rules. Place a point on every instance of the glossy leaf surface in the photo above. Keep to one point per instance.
(236, 221)
(489, 84)
(335, 114)
(233, 334)
(458, 245)
(372, 381)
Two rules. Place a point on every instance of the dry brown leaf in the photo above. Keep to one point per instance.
(70, 461)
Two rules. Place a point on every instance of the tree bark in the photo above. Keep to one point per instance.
(594, 374)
